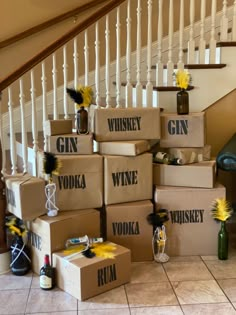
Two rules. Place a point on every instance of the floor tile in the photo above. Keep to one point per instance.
(56, 313)
(209, 309)
(9, 281)
(197, 292)
(181, 271)
(111, 299)
(35, 282)
(184, 258)
(160, 310)
(147, 272)
(150, 294)
(222, 269)
(50, 301)
(13, 302)
(229, 288)
(105, 312)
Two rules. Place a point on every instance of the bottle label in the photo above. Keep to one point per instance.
(45, 282)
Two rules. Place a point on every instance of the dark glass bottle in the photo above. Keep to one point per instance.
(20, 257)
(182, 103)
(223, 241)
(82, 121)
(47, 275)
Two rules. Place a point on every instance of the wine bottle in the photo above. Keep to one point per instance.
(47, 275)
(165, 158)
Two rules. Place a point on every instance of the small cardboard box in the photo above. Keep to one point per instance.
(191, 155)
(57, 127)
(127, 225)
(49, 234)
(79, 184)
(25, 196)
(202, 174)
(127, 148)
(70, 144)
(191, 229)
(127, 178)
(84, 278)
(126, 124)
(182, 130)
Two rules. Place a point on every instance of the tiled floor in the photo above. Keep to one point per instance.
(184, 285)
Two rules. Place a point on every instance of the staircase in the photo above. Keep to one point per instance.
(127, 51)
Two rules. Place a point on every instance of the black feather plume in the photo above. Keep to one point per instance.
(76, 96)
(50, 163)
(158, 218)
(88, 253)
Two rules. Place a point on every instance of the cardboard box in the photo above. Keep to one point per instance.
(202, 174)
(84, 278)
(49, 234)
(79, 184)
(127, 225)
(57, 127)
(127, 148)
(182, 130)
(191, 155)
(126, 124)
(127, 179)
(70, 144)
(25, 196)
(191, 229)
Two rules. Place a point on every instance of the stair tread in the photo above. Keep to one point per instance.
(158, 88)
(199, 66)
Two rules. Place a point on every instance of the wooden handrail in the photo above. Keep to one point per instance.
(59, 43)
(40, 27)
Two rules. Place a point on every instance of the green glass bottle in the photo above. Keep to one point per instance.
(82, 121)
(223, 241)
(182, 103)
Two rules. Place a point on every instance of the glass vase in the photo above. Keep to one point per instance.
(182, 102)
(20, 257)
(223, 241)
(82, 121)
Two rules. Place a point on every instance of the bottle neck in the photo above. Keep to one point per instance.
(46, 260)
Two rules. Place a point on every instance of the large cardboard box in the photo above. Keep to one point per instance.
(202, 174)
(49, 234)
(127, 225)
(182, 130)
(126, 124)
(191, 155)
(191, 229)
(127, 178)
(70, 144)
(57, 127)
(79, 184)
(84, 277)
(127, 148)
(25, 196)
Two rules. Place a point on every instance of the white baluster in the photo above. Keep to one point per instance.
(224, 23)
(3, 170)
(54, 81)
(213, 36)
(139, 89)
(12, 133)
(170, 65)
(118, 67)
(34, 123)
(202, 43)
(149, 86)
(65, 76)
(107, 75)
(129, 88)
(159, 65)
(75, 60)
(24, 139)
(234, 23)
(191, 42)
(44, 103)
(180, 63)
(86, 58)
(97, 65)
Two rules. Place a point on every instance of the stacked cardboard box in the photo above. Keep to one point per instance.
(187, 191)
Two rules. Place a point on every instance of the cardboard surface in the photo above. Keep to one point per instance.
(70, 144)
(49, 234)
(25, 196)
(191, 230)
(127, 179)
(191, 155)
(127, 226)
(182, 130)
(126, 124)
(202, 174)
(57, 127)
(127, 148)
(84, 277)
